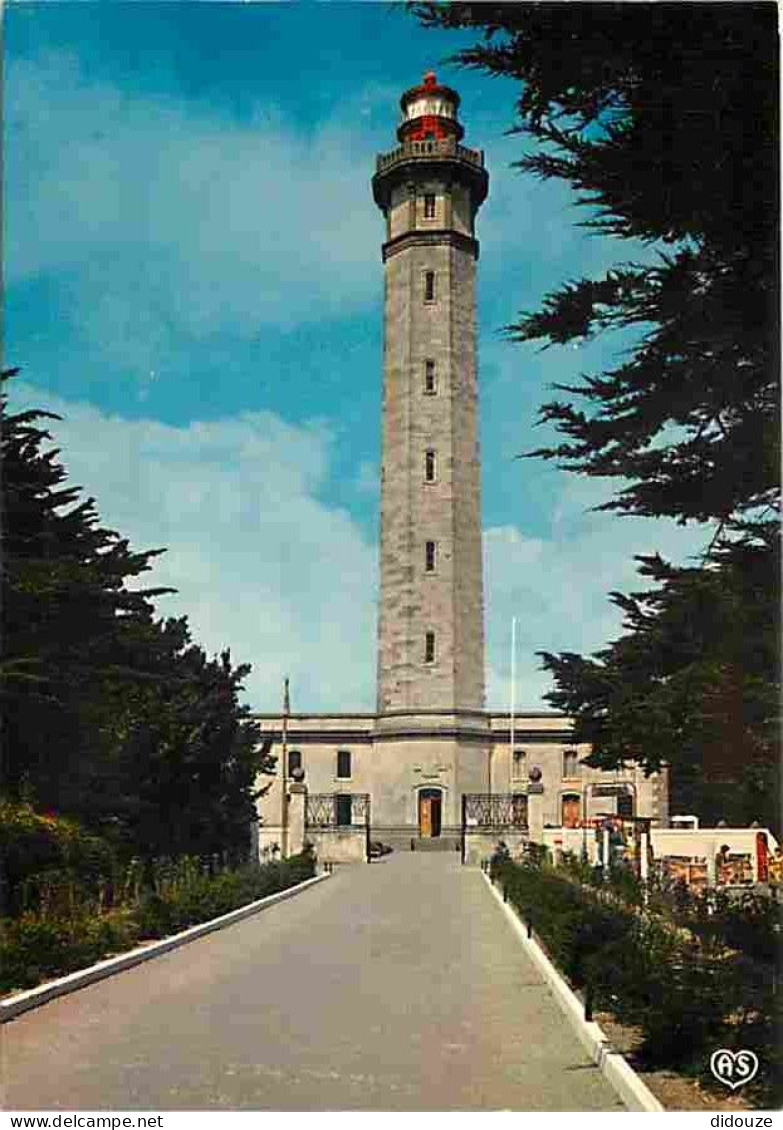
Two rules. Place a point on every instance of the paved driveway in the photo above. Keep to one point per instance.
(395, 986)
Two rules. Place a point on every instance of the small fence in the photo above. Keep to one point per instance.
(333, 819)
(443, 147)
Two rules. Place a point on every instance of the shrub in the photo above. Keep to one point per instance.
(41, 850)
(35, 946)
(687, 994)
(34, 949)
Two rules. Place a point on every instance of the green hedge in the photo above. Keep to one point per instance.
(37, 947)
(687, 994)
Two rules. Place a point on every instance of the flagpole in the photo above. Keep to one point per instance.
(284, 774)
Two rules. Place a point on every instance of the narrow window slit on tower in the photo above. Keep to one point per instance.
(429, 647)
(429, 377)
(429, 286)
(429, 466)
(429, 206)
(429, 557)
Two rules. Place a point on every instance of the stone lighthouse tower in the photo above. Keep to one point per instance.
(430, 768)
(431, 636)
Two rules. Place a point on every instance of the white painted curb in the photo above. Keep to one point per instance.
(618, 1072)
(32, 998)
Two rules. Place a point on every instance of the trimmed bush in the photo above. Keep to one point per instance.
(37, 947)
(685, 991)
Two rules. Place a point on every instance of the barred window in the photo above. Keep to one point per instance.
(430, 466)
(429, 557)
(429, 647)
(429, 286)
(429, 377)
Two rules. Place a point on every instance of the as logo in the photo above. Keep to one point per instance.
(733, 1068)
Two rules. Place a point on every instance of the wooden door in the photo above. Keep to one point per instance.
(570, 811)
(425, 816)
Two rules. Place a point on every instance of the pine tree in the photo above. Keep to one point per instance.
(110, 715)
(690, 683)
(664, 120)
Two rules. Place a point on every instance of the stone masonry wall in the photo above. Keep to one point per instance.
(449, 600)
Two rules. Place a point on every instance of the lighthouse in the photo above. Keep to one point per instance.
(430, 768)
(431, 634)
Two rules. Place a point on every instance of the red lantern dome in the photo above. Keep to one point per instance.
(429, 112)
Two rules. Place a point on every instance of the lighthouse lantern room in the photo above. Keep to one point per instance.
(429, 112)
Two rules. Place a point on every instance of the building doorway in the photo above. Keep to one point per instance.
(430, 802)
(570, 810)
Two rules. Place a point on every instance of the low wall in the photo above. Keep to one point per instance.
(480, 846)
(339, 845)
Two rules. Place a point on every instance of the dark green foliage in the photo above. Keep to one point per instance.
(684, 989)
(692, 682)
(39, 945)
(110, 715)
(34, 949)
(68, 619)
(664, 120)
(34, 843)
(185, 894)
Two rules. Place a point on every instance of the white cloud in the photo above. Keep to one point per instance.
(557, 585)
(164, 217)
(266, 568)
(163, 225)
(260, 564)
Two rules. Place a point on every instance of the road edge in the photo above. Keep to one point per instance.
(23, 1002)
(618, 1072)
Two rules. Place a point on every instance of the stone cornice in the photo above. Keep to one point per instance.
(430, 238)
(400, 729)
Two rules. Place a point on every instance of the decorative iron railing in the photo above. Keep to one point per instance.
(442, 147)
(494, 810)
(327, 811)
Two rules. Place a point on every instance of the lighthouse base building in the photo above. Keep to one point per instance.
(431, 767)
(429, 780)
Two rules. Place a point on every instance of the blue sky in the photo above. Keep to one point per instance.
(193, 281)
